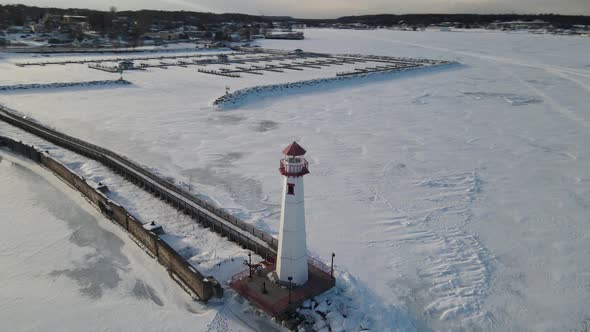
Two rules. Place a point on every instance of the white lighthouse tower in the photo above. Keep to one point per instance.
(292, 253)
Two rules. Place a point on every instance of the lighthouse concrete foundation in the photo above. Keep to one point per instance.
(273, 297)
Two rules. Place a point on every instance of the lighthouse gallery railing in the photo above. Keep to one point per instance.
(289, 169)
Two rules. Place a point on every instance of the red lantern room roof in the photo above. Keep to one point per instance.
(294, 149)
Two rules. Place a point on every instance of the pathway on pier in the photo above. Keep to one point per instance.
(220, 221)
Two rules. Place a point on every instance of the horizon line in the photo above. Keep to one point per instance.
(301, 18)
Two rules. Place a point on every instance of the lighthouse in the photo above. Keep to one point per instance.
(292, 251)
(293, 267)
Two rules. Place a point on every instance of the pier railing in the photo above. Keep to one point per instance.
(212, 216)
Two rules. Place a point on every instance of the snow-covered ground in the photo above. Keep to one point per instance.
(67, 268)
(212, 255)
(460, 194)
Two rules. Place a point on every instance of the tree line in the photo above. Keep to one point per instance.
(103, 20)
(563, 21)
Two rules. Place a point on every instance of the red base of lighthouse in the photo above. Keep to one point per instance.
(275, 302)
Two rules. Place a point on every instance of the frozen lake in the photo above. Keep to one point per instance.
(460, 194)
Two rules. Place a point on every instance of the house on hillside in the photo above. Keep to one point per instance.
(122, 23)
(126, 65)
(75, 20)
(48, 23)
(19, 29)
(38, 27)
(164, 35)
(146, 40)
(87, 42)
(235, 37)
(193, 32)
(218, 44)
(60, 38)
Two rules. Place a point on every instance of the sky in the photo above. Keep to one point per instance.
(330, 8)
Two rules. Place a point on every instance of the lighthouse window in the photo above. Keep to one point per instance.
(291, 188)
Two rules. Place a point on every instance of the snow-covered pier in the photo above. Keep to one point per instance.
(61, 85)
(86, 61)
(218, 220)
(239, 96)
(218, 72)
(276, 302)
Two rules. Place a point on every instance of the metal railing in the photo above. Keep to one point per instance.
(319, 265)
(288, 169)
(105, 155)
(310, 260)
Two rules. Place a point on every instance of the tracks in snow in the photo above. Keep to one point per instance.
(451, 263)
(219, 323)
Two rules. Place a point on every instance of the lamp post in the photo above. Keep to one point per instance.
(332, 266)
(249, 265)
(290, 278)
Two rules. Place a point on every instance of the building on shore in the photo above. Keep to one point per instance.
(295, 35)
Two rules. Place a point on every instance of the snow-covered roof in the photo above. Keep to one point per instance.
(151, 226)
(294, 149)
